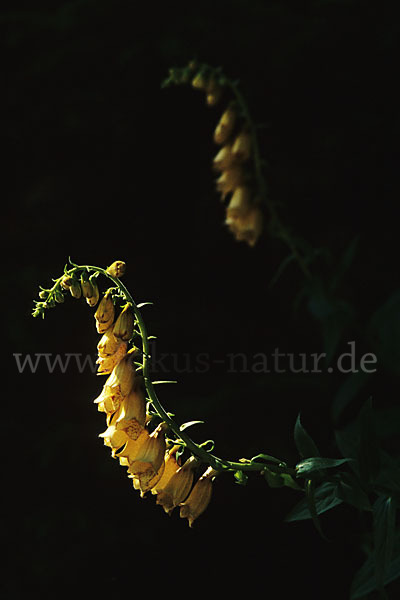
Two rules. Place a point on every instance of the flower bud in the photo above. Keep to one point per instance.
(105, 312)
(199, 82)
(117, 269)
(199, 498)
(93, 298)
(241, 148)
(86, 286)
(66, 282)
(225, 126)
(75, 289)
(213, 92)
(59, 296)
(123, 327)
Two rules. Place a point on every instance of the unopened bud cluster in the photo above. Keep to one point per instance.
(236, 183)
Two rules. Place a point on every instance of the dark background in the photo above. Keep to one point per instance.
(101, 164)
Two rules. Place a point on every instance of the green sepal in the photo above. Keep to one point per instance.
(240, 477)
(189, 424)
(267, 458)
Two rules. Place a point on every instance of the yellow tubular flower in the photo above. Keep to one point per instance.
(75, 289)
(240, 203)
(171, 467)
(145, 482)
(230, 180)
(123, 375)
(133, 408)
(178, 487)
(107, 364)
(114, 439)
(108, 344)
(224, 159)
(104, 314)
(109, 401)
(123, 328)
(241, 148)
(86, 286)
(247, 228)
(150, 454)
(199, 498)
(117, 269)
(225, 126)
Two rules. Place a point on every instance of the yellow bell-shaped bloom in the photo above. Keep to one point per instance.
(123, 375)
(150, 454)
(123, 327)
(240, 203)
(178, 487)
(229, 180)
(171, 467)
(109, 401)
(114, 439)
(107, 363)
(108, 344)
(225, 126)
(241, 148)
(93, 298)
(144, 482)
(199, 498)
(105, 312)
(248, 227)
(224, 159)
(133, 408)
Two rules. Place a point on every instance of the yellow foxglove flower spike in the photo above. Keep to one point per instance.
(178, 487)
(123, 327)
(199, 498)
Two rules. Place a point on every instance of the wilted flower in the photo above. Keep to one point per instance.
(117, 269)
(178, 487)
(199, 498)
(225, 126)
(123, 328)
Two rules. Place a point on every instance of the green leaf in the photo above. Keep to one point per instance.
(350, 491)
(188, 424)
(304, 443)
(311, 465)
(240, 477)
(310, 497)
(364, 581)
(369, 452)
(325, 498)
(384, 517)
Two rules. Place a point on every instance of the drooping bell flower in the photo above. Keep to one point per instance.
(107, 363)
(240, 203)
(108, 344)
(247, 228)
(199, 498)
(241, 148)
(117, 269)
(178, 487)
(123, 327)
(229, 180)
(224, 159)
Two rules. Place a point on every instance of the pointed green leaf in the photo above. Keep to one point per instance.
(304, 443)
(311, 465)
(351, 492)
(325, 498)
(384, 516)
